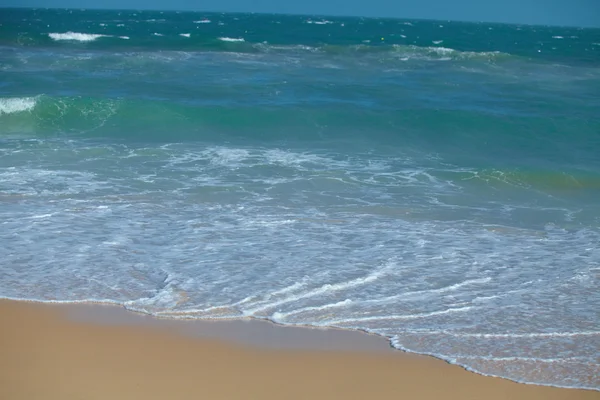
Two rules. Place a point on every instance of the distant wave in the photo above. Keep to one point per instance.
(16, 104)
(228, 39)
(323, 22)
(80, 37)
(203, 21)
(105, 117)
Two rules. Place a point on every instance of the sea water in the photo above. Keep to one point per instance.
(434, 182)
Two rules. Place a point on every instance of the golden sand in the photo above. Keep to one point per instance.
(45, 355)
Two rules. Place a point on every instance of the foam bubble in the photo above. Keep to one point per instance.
(228, 39)
(16, 104)
(76, 36)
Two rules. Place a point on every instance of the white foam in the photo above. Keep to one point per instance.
(203, 21)
(437, 41)
(525, 335)
(557, 37)
(157, 34)
(16, 104)
(572, 360)
(325, 289)
(442, 50)
(124, 37)
(397, 317)
(76, 36)
(322, 22)
(226, 157)
(279, 316)
(185, 34)
(228, 39)
(41, 216)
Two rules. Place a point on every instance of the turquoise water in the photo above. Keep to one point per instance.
(434, 182)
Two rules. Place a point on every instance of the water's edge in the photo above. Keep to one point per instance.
(300, 326)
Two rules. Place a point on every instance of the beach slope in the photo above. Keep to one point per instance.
(46, 355)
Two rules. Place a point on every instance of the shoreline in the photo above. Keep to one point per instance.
(114, 313)
(93, 351)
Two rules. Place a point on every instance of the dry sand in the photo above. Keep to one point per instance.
(46, 353)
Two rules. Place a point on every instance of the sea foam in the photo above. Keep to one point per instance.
(228, 39)
(16, 104)
(79, 37)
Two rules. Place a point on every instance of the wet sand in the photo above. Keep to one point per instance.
(94, 352)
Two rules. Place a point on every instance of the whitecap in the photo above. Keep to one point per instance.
(228, 39)
(185, 34)
(16, 104)
(322, 22)
(557, 37)
(437, 41)
(442, 50)
(80, 37)
(203, 21)
(157, 34)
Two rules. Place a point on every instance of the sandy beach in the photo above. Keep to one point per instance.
(52, 352)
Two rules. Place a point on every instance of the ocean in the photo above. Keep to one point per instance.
(433, 182)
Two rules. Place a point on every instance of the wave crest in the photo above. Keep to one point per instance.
(76, 36)
(228, 39)
(80, 37)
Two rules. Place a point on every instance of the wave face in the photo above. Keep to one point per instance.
(436, 183)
